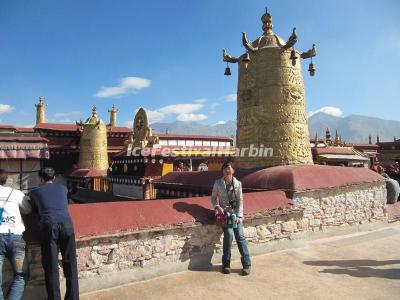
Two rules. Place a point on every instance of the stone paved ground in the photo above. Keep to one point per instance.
(358, 266)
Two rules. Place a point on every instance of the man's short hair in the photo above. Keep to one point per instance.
(226, 165)
(47, 174)
(3, 176)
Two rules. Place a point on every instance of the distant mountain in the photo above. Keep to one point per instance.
(227, 129)
(353, 128)
(320, 121)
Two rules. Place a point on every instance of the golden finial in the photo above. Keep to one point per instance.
(40, 111)
(327, 136)
(93, 143)
(316, 139)
(266, 19)
(94, 111)
(113, 116)
(336, 137)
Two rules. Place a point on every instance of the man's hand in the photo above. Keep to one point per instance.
(219, 210)
(239, 220)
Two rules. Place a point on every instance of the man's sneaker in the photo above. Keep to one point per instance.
(226, 270)
(246, 271)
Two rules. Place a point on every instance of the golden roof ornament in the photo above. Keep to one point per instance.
(142, 135)
(327, 136)
(41, 111)
(113, 116)
(93, 152)
(266, 19)
(41, 101)
(93, 120)
(316, 139)
(336, 138)
(269, 39)
(271, 99)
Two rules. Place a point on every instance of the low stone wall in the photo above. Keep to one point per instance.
(348, 205)
(112, 259)
(195, 246)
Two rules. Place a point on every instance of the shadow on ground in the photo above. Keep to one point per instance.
(359, 268)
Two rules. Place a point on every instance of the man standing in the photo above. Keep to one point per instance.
(12, 244)
(50, 201)
(227, 196)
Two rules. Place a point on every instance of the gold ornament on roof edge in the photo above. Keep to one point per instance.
(40, 111)
(93, 152)
(142, 135)
(113, 116)
(271, 108)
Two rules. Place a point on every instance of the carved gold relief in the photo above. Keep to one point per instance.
(93, 144)
(271, 110)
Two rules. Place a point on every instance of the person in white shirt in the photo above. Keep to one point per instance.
(226, 196)
(12, 245)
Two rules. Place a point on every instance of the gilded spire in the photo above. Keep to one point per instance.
(113, 116)
(327, 135)
(41, 111)
(94, 111)
(336, 138)
(93, 144)
(266, 19)
(266, 67)
(316, 139)
(94, 119)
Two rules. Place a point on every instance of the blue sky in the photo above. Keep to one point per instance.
(166, 56)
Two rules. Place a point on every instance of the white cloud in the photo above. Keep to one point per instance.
(214, 105)
(155, 116)
(184, 112)
(191, 117)
(230, 98)
(62, 115)
(220, 122)
(180, 108)
(329, 110)
(5, 108)
(128, 85)
(201, 100)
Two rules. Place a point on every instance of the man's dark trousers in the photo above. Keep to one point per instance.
(54, 237)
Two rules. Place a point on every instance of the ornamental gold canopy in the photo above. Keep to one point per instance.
(269, 39)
